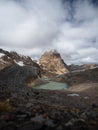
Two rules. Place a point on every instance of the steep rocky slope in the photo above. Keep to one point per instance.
(16, 69)
(5, 59)
(17, 75)
(51, 62)
(10, 58)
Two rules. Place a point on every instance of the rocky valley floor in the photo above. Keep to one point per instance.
(30, 109)
(22, 107)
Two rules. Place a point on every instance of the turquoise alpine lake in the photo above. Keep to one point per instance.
(53, 86)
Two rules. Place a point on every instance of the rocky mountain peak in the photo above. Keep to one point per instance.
(51, 53)
(18, 69)
(10, 58)
(51, 61)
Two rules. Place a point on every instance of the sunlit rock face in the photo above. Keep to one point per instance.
(52, 62)
(5, 59)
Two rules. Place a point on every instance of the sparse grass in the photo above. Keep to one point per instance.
(5, 106)
(7, 91)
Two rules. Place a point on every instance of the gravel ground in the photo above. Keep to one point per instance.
(31, 109)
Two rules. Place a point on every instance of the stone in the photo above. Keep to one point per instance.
(80, 125)
(15, 75)
(38, 119)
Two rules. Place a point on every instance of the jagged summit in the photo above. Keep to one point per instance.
(51, 52)
(51, 61)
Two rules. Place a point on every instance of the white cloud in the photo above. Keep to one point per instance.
(26, 26)
(33, 26)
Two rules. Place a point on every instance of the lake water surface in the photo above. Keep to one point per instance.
(53, 86)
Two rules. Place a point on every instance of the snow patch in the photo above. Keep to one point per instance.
(73, 94)
(86, 97)
(1, 54)
(20, 63)
(2, 61)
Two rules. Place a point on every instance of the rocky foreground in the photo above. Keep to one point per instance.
(22, 107)
(30, 109)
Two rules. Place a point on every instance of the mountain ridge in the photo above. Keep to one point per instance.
(10, 58)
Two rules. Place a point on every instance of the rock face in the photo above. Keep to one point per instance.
(90, 75)
(17, 75)
(79, 76)
(18, 69)
(10, 58)
(5, 59)
(52, 62)
(77, 68)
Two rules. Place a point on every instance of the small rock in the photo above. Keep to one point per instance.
(86, 97)
(28, 126)
(38, 119)
(50, 123)
(73, 94)
(28, 105)
(80, 125)
(21, 116)
(92, 115)
(94, 105)
(59, 128)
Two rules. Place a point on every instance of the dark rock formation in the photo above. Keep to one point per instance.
(77, 77)
(16, 74)
(90, 75)
(52, 63)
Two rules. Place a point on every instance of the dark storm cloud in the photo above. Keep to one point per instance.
(34, 26)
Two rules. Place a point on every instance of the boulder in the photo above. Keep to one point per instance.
(16, 74)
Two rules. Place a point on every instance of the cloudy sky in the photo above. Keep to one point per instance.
(31, 27)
